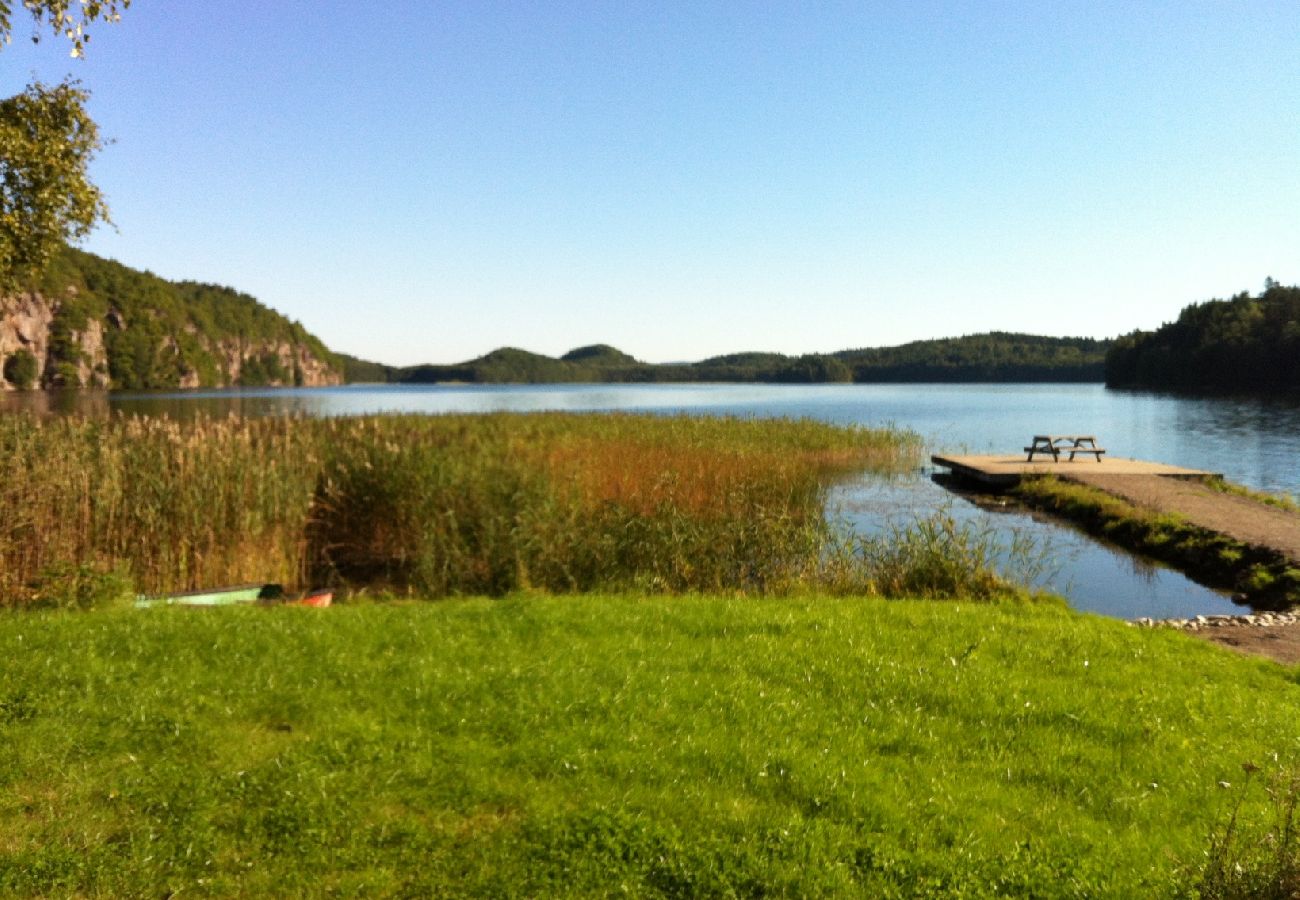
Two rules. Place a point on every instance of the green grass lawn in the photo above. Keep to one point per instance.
(598, 745)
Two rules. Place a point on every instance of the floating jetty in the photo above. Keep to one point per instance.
(1004, 471)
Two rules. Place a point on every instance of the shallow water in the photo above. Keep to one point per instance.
(1062, 559)
(1253, 442)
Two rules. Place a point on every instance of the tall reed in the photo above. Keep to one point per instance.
(934, 556)
(432, 505)
(175, 507)
(562, 502)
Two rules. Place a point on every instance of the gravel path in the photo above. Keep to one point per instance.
(1249, 521)
(1281, 643)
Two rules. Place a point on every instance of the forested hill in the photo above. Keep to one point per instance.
(92, 322)
(1244, 344)
(997, 356)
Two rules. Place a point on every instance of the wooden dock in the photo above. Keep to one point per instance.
(1006, 470)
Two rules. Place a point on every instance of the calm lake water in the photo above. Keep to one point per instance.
(1253, 442)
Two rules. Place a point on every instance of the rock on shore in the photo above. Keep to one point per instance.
(1245, 620)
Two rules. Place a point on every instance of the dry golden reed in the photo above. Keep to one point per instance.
(434, 505)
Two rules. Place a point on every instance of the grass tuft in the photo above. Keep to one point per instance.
(1280, 500)
(934, 556)
(1255, 856)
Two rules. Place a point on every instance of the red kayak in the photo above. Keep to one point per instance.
(318, 598)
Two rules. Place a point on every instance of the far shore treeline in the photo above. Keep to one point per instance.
(997, 356)
(113, 326)
(1248, 344)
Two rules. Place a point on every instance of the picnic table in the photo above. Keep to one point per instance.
(1056, 444)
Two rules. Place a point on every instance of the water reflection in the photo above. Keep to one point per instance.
(96, 404)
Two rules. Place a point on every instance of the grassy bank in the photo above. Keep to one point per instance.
(1280, 500)
(598, 745)
(1267, 579)
(91, 511)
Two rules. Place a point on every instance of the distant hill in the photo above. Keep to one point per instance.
(747, 360)
(92, 322)
(506, 365)
(997, 356)
(599, 355)
(363, 371)
(1244, 344)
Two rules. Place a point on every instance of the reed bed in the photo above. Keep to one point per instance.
(488, 505)
(88, 507)
(92, 511)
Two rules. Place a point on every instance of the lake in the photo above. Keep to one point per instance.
(1253, 442)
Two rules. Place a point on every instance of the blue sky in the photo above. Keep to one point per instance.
(423, 182)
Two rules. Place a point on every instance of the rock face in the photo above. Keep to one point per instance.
(291, 358)
(25, 322)
(75, 351)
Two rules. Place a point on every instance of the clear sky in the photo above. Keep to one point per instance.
(426, 181)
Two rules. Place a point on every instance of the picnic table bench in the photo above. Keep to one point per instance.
(1056, 444)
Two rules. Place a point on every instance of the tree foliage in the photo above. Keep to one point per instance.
(812, 368)
(20, 369)
(70, 19)
(46, 197)
(1249, 344)
(47, 140)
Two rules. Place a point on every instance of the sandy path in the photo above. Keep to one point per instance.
(1246, 520)
(1280, 643)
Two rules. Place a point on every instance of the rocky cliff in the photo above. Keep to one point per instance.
(96, 323)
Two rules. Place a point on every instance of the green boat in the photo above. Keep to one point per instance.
(227, 596)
